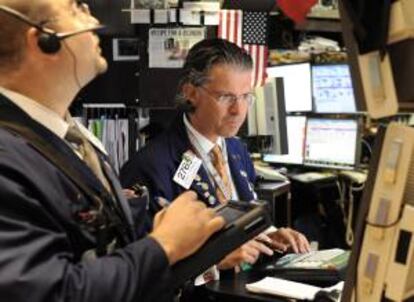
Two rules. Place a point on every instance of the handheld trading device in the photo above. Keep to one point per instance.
(244, 220)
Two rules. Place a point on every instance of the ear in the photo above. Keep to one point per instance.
(32, 43)
(190, 92)
(32, 36)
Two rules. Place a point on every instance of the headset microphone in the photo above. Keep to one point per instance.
(63, 36)
(48, 41)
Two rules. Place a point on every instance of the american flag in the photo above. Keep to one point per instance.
(249, 31)
(296, 9)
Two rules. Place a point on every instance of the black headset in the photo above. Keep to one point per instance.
(48, 41)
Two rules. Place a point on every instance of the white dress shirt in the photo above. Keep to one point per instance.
(207, 146)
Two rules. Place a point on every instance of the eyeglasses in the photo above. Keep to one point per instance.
(229, 99)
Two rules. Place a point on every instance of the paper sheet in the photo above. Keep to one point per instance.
(286, 288)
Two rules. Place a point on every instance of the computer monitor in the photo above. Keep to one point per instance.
(381, 266)
(267, 116)
(297, 83)
(331, 143)
(296, 138)
(332, 89)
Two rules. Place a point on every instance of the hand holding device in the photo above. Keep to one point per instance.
(185, 226)
(244, 221)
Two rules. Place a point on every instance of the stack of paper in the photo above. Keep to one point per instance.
(285, 288)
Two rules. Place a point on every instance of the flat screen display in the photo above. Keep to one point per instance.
(331, 143)
(332, 89)
(296, 126)
(297, 84)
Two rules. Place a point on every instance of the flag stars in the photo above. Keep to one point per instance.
(255, 28)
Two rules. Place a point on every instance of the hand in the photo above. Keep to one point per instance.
(285, 238)
(184, 226)
(248, 252)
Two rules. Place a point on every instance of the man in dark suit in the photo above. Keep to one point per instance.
(66, 231)
(199, 151)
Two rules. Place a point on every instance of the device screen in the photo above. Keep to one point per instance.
(230, 214)
(331, 143)
(332, 89)
(297, 85)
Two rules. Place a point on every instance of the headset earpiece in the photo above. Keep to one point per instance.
(49, 43)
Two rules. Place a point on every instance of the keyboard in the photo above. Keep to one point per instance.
(269, 173)
(324, 259)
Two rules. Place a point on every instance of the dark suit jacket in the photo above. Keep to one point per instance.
(43, 237)
(156, 164)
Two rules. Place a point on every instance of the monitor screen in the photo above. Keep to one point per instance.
(331, 143)
(297, 84)
(332, 89)
(296, 137)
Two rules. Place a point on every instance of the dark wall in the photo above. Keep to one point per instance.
(109, 12)
(120, 82)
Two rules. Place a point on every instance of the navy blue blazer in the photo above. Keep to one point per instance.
(156, 164)
(43, 237)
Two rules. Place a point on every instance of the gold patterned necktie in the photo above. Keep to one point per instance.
(87, 152)
(217, 160)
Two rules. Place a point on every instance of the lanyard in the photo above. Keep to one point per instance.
(208, 164)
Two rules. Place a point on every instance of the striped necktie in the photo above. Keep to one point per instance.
(87, 153)
(219, 164)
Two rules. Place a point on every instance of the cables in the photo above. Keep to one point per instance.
(368, 147)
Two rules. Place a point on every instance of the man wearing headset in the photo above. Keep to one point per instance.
(66, 232)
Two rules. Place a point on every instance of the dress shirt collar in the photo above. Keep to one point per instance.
(204, 142)
(48, 118)
(85, 132)
(41, 114)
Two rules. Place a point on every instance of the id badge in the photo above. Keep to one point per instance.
(187, 171)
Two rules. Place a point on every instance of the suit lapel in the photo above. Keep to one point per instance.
(180, 144)
(202, 185)
(117, 191)
(239, 175)
(9, 111)
(204, 188)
